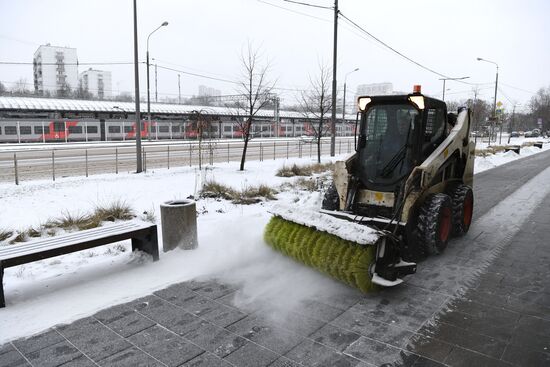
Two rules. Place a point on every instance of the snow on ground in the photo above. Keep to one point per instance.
(69, 287)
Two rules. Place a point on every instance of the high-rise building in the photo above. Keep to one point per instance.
(55, 70)
(375, 89)
(205, 91)
(96, 82)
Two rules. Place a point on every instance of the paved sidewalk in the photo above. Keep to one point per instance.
(447, 314)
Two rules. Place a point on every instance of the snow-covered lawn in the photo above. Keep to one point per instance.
(63, 289)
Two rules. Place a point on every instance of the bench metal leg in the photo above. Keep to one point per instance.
(2, 300)
(148, 243)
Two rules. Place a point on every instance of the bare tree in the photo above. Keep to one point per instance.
(20, 88)
(540, 107)
(2, 89)
(204, 125)
(256, 91)
(316, 103)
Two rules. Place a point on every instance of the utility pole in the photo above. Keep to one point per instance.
(136, 82)
(179, 90)
(334, 59)
(474, 114)
(156, 90)
(512, 123)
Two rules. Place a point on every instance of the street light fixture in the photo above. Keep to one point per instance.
(344, 100)
(496, 87)
(445, 79)
(164, 24)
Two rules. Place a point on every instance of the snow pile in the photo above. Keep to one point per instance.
(344, 229)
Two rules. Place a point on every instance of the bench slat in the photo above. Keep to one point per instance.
(22, 249)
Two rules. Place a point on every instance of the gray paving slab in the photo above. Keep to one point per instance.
(207, 360)
(166, 346)
(377, 353)
(12, 358)
(131, 357)
(215, 339)
(310, 353)
(252, 355)
(38, 342)
(54, 355)
(264, 332)
(94, 339)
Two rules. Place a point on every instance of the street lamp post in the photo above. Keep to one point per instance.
(148, 89)
(136, 83)
(495, 100)
(344, 101)
(445, 79)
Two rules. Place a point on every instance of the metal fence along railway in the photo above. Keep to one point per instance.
(85, 160)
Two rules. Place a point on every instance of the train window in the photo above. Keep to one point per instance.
(175, 128)
(10, 130)
(91, 129)
(25, 130)
(59, 127)
(75, 129)
(41, 129)
(114, 129)
(227, 129)
(163, 129)
(128, 128)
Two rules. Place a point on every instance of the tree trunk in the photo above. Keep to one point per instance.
(246, 135)
(319, 135)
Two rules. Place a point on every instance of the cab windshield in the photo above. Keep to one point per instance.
(385, 158)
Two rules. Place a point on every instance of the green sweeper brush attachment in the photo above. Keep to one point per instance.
(342, 249)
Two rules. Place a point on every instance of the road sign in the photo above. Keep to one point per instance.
(499, 104)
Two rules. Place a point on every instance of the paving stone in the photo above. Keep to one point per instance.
(425, 362)
(531, 341)
(6, 348)
(165, 346)
(130, 358)
(12, 358)
(215, 339)
(266, 333)
(334, 337)
(94, 339)
(460, 357)
(38, 342)
(355, 320)
(521, 356)
(166, 314)
(252, 355)
(211, 288)
(114, 313)
(429, 347)
(81, 361)
(466, 339)
(54, 355)
(207, 360)
(375, 352)
(176, 293)
(319, 311)
(223, 315)
(284, 362)
(131, 324)
(299, 324)
(310, 353)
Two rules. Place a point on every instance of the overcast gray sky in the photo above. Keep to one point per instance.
(207, 36)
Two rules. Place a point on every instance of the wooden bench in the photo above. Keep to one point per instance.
(143, 235)
(513, 148)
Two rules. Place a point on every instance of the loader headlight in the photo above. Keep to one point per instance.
(418, 101)
(362, 103)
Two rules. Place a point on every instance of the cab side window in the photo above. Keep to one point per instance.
(434, 133)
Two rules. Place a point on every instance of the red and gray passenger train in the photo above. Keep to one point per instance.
(79, 130)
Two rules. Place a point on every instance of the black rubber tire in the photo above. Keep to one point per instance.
(435, 223)
(331, 201)
(462, 198)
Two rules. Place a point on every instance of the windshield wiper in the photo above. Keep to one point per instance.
(390, 166)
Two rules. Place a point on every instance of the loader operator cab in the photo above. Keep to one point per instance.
(396, 133)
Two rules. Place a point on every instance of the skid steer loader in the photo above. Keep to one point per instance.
(409, 186)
